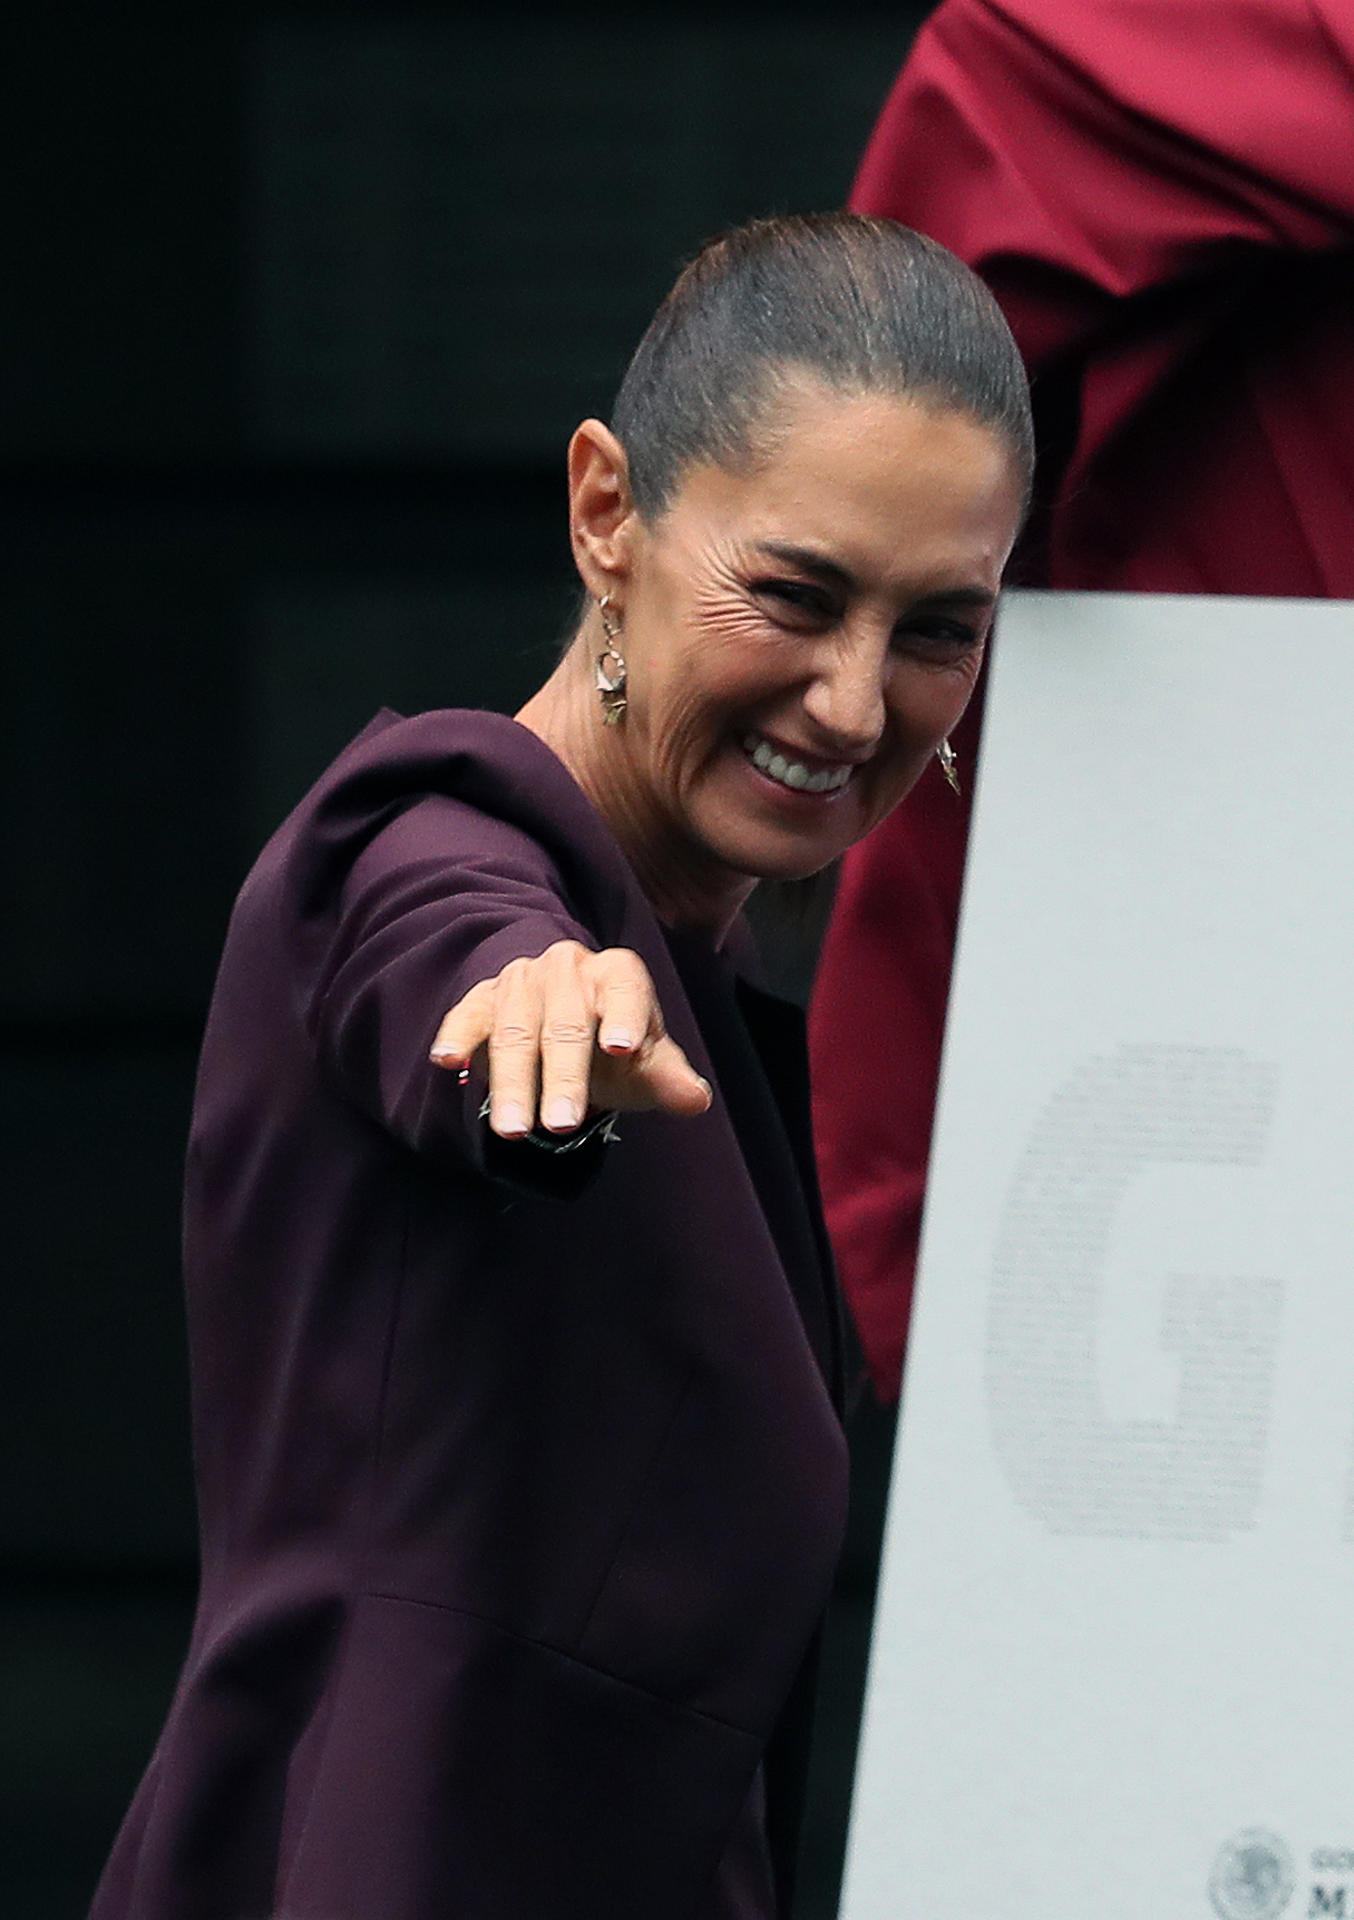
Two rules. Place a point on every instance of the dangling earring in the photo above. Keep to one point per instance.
(610, 678)
(949, 765)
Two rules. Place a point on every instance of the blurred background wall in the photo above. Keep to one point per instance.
(300, 308)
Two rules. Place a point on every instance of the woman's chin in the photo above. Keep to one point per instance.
(761, 855)
(788, 869)
(769, 832)
(763, 862)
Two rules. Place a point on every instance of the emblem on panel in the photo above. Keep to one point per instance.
(1252, 1877)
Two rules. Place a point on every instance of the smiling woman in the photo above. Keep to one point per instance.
(521, 1474)
(801, 632)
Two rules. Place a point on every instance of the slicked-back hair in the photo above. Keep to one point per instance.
(862, 304)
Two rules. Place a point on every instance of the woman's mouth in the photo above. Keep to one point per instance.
(786, 771)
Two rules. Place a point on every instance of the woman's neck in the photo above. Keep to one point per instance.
(683, 883)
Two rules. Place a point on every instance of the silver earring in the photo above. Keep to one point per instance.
(610, 673)
(949, 765)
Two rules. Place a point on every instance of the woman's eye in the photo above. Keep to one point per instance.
(796, 600)
(938, 639)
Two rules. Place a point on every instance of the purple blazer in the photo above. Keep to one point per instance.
(520, 1480)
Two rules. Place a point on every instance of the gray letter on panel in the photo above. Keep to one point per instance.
(1198, 1475)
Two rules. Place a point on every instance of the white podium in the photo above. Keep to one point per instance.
(1112, 1672)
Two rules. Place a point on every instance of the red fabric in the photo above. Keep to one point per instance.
(1161, 195)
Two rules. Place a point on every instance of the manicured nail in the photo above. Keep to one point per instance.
(561, 1115)
(510, 1119)
(709, 1090)
(618, 1040)
(445, 1057)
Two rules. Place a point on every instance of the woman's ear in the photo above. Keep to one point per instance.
(601, 510)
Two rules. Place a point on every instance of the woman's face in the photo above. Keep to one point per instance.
(800, 637)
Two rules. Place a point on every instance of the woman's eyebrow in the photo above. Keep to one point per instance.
(981, 597)
(833, 573)
(808, 561)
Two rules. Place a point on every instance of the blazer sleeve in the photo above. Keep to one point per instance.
(440, 898)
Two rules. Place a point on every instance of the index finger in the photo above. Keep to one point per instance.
(464, 1029)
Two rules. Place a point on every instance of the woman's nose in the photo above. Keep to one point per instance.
(845, 699)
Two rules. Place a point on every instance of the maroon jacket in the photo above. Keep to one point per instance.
(521, 1484)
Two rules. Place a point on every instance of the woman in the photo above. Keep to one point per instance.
(521, 1480)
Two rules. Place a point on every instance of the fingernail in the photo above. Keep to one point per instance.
(444, 1057)
(709, 1090)
(561, 1115)
(510, 1119)
(619, 1038)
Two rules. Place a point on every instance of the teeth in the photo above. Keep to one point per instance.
(791, 773)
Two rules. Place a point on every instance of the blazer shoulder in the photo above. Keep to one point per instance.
(505, 786)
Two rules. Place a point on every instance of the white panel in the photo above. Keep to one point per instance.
(1113, 1661)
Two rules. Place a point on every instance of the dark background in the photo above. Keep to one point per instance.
(299, 310)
